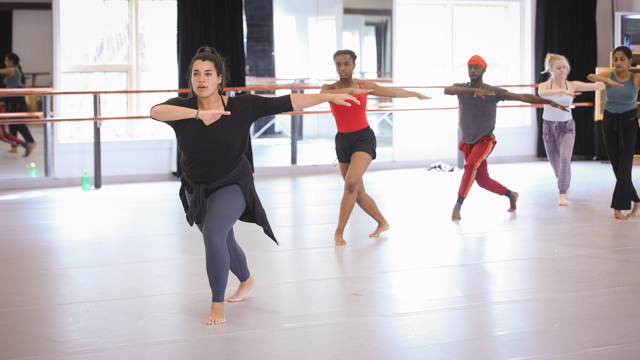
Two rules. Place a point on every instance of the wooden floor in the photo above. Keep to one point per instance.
(118, 274)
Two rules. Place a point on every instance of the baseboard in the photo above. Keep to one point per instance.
(41, 183)
(15, 184)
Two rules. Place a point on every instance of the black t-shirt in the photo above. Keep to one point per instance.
(211, 152)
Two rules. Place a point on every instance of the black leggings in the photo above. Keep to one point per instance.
(223, 253)
(18, 104)
(14, 129)
(620, 141)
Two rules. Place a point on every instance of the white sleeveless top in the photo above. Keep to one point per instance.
(552, 114)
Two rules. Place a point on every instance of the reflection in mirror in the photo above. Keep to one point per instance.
(25, 30)
(292, 41)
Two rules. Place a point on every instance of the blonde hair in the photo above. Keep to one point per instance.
(552, 58)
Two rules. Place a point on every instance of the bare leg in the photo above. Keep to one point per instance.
(352, 174)
(243, 289)
(456, 212)
(371, 208)
(634, 211)
(512, 199)
(217, 314)
(618, 215)
(568, 192)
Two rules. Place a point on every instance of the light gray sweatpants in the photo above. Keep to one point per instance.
(559, 137)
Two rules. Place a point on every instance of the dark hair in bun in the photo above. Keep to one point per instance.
(207, 53)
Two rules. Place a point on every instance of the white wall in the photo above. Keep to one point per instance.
(33, 42)
(604, 19)
(119, 158)
(432, 135)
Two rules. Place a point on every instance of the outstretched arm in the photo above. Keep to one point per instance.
(165, 112)
(545, 90)
(460, 90)
(302, 101)
(378, 90)
(583, 86)
(532, 99)
(328, 89)
(7, 72)
(604, 77)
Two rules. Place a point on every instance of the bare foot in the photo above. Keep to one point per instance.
(634, 211)
(380, 229)
(568, 192)
(217, 314)
(562, 200)
(13, 149)
(618, 215)
(512, 199)
(339, 239)
(30, 147)
(456, 212)
(243, 289)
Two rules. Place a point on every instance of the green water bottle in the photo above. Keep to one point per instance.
(33, 172)
(86, 181)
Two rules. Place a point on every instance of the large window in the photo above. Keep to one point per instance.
(450, 33)
(116, 45)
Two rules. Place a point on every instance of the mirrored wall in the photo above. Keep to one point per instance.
(292, 41)
(25, 30)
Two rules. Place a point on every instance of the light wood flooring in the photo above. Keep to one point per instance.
(118, 273)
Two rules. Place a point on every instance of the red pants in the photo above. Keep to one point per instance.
(7, 137)
(475, 167)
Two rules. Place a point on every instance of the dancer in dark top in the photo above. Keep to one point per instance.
(217, 186)
(478, 105)
(620, 128)
(14, 78)
(355, 141)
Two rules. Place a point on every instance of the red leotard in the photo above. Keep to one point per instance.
(351, 118)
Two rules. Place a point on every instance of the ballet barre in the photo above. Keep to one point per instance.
(46, 115)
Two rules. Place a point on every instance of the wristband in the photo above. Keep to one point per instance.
(197, 113)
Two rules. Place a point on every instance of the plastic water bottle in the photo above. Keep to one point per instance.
(33, 172)
(86, 181)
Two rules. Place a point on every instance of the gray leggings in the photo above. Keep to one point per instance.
(223, 253)
(559, 137)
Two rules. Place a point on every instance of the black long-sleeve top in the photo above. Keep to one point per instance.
(212, 156)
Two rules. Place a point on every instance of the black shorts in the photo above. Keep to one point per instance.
(348, 143)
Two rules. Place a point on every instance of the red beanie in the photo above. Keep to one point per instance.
(477, 60)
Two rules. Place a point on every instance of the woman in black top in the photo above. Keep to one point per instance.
(217, 185)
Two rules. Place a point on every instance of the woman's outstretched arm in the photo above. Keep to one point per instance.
(165, 112)
(302, 101)
(392, 92)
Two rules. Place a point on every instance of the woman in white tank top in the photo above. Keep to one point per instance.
(559, 129)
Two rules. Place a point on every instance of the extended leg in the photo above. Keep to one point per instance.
(352, 179)
(238, 265)
(611, 144)
(224, 208)
(371, 208)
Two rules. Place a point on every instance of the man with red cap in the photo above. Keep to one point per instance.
(478, 103)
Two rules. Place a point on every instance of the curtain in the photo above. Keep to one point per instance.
(217, 23)
(260, 50)
(6, 34)
(568, 28)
